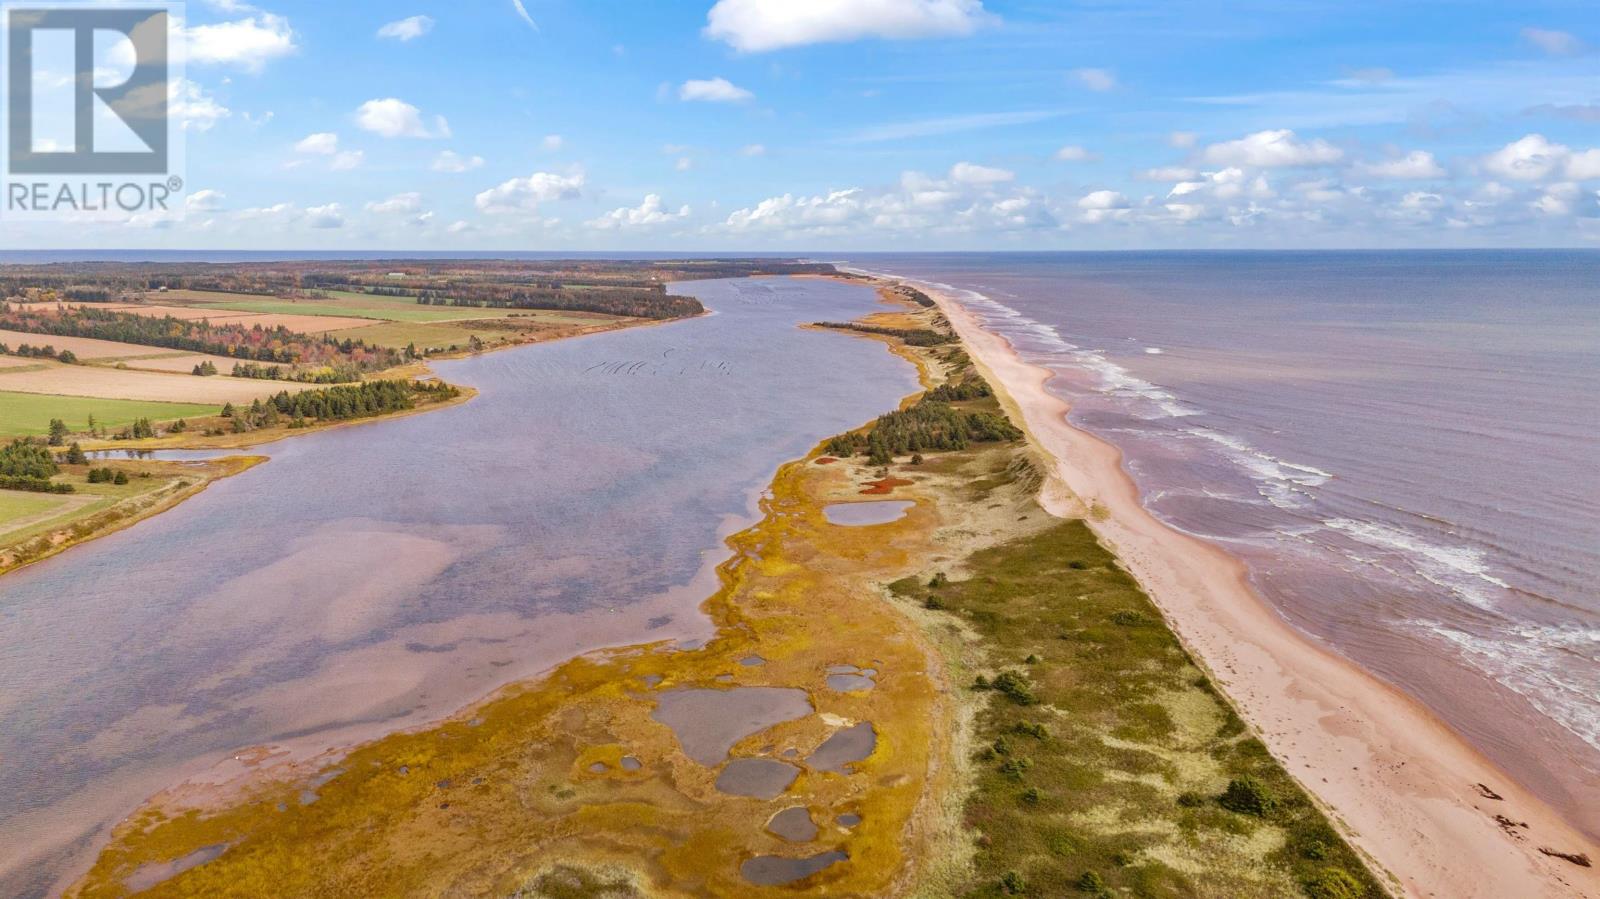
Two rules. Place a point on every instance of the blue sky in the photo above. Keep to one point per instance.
(881, 124)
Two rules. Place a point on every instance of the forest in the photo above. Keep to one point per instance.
(27, 465)
(933, 424)
(271, 345)
(923, 337)
(342, 403)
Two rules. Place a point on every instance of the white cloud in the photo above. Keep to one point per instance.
(396, 118)
(755, 26)
(1584, 166)
(454, 163)
(204, 201)
(1414, 166)
(1074, 153)
(1099, 80)
(1532, 158)
(753, 150)
(461, 227)
(789, 212)
(1558, 199)
(1183, 140)
(919, 205)
(249, 43)
(323, 143)
(948, 125)
(1104, 205)
(1555, 43)
(195, 109)
(683, 164)
(1270, 149)
(553, 142)
(524, 195)
(407, 29)
(1103, 199)
(348, 160)
(522, 12)
(967, 173)
(713, 90)
(1169, 173)
(399, 204)
(329, 216)
(647, 214)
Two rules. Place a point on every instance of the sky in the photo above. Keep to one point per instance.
(897, 125)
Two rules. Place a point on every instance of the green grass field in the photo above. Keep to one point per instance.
(381, 308)
(29, 414)
(15, 506)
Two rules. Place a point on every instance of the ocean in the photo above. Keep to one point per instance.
(1403, 447)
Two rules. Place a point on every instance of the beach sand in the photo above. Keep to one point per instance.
(1422, 803)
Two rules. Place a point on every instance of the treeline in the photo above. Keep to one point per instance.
(338, 373)
(341, 403)
(254, 343)
(650, 303)
(40, 352)
(924, 337)
(914, 295)
(930, 425)
(27, 465)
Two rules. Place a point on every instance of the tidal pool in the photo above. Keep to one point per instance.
(708, 722)
(772, 870)
(848, 746)
(857, 515)
(381, 576)
(756, 778)
(794, 825)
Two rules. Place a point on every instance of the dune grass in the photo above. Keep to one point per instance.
(1107, 763)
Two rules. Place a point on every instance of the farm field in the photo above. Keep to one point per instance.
(110, 352)
(520, 326)
(408, 311)
(303, 321)
(128, 384)
(29, 414)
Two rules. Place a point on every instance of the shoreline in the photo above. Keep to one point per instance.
(419, 371)
(734, 620)
(1404, 786)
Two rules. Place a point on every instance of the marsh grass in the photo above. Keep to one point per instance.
(1105, 752)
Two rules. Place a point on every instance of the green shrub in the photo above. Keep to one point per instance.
(1091, 882)
(1334, 883)
(1015, 686)
(1248, 796)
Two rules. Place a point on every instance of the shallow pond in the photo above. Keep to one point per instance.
(838, 752)
(772, 870)
(857, 515)
(381, 576)
(708, 722)
(756, 778)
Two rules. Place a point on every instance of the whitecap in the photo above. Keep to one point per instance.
(1462, 570)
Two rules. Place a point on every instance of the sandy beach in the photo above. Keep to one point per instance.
(1432, 812)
